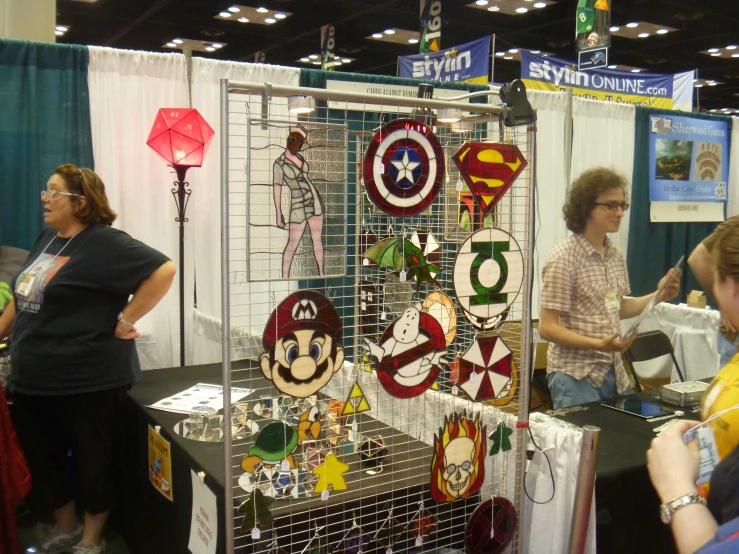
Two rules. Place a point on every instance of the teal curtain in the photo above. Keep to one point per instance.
(655, 247)
(361, 121)
(44, 122)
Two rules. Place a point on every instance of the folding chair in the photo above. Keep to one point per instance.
(648, 346)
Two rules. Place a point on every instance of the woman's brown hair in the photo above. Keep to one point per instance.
(87, 183)
(584, 192)
(726, 251)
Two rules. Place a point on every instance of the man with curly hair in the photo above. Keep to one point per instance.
(584, 295)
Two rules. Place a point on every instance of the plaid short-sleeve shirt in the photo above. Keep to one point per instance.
(575, 281)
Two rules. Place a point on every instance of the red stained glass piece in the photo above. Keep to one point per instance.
(491, 527)
(181, 136)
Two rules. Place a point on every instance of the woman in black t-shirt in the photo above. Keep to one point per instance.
(73, 352)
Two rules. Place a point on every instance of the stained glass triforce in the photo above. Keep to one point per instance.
(356, 402)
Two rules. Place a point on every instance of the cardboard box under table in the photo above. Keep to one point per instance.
(149, 523)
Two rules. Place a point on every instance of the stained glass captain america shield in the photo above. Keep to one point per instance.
(488, 273)
(403, 168)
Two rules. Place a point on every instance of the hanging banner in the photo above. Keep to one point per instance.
(430, 26)
(654, 90)
(466, 63)
(328, 47)
(592, 33)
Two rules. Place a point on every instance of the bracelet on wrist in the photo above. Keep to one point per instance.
(121, 320)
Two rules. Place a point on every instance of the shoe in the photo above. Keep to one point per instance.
(57, 543)
(81, 548)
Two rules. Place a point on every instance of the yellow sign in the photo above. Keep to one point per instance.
(636, 100)
(160, 464)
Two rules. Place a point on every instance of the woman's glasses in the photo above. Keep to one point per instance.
(51, 194)
(613, 206)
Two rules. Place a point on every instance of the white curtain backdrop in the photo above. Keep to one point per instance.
(732, 206)
(126, 90)
(603, 136)
(551, 175)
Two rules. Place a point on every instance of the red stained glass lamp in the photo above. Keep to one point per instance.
(181, 136)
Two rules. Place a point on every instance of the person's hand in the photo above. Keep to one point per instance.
(614, 343)
(673, 466)
(726, 323)
(126, 332)
(671, 284)
(281, 221)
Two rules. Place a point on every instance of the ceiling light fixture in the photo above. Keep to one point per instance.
(662, 31)
(614, 29)
(712, 84)
(243, 20)
(171, 45)
(731, 47)
(377, 35)
(735, 55)
(234, 9)
(210, 49)
(337, 62)
(225, 14)
(304, 59)
(698, 85)
(301, 104)
(643, 35)
(313, 56)
(612, 66)
(536, 51)
(58, 33)
(413, 40)
(513, 50)
(500, 54)
(632, 25)
(270, 20)
(540, 5)
(481, 2)
(389, 31)
(62, 28)
(177, 40)
(262, 9)
(345, 60)
(712, 50)
(493, 8)
(316, 63)
(521, 10)
(280, 16)
(636, 70)
(217, 45)
(716, 54)
(507, 57)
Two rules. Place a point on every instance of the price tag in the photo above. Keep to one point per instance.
(255, 534)
(382, 167)
(324, 495)
(419, 541)
(403, 275)
(355, 425)
(455, 390)
(460, 186)
(473, 377)
(285, 465)
(389, 551)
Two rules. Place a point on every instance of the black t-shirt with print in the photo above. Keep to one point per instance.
(67, 300)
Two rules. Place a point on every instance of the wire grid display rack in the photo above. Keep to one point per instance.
(389, 449)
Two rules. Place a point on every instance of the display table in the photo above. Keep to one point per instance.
(627, 506)
(149, 523)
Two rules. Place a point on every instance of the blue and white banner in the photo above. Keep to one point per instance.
(655, 90)
(464, 63)
(688, 159)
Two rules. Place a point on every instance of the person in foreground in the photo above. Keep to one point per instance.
(701, 262)
(673, 468)
(583, 297)
(73, 352)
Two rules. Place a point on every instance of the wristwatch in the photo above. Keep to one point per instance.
(668, 508)
(120, 318)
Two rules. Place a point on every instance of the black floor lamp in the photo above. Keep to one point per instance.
(181, 136)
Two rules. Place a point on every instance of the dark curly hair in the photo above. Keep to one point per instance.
(584, 192)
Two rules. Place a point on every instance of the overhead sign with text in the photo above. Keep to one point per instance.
(465, 63)
(688, 159)
(672, 92)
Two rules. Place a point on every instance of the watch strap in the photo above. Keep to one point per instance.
(669, 508)
(120, 318)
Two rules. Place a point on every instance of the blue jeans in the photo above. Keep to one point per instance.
(568, 391)
(726, 349)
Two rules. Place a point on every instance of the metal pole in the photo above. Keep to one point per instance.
(524, 378)
(568, 139)
(584, 491)
(492, 59)
(181, 197)
(226, 328)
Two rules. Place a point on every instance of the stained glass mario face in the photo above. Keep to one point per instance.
(302, 342)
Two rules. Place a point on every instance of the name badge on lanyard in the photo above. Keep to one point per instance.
(613, 302)
(24, 286)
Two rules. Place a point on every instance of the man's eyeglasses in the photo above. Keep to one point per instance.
(613, 206)
(51, 194)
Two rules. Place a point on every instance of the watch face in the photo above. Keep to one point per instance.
(664, 514)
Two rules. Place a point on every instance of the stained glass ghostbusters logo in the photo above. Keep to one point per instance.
(403, 168)
(488, 273)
